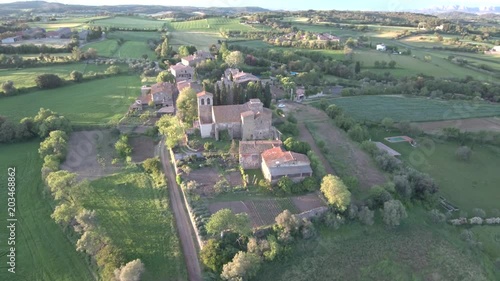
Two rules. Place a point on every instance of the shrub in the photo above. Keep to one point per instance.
(113, 70)
(366, 216)
(463, 153)
(76, 76)
(48, 81)
(369, 147)
(358, 133)
(436, 216)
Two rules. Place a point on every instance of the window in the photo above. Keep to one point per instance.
(202, 101)
(208, 101)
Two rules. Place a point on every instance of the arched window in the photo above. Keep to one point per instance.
(202, 101)
(208, 101)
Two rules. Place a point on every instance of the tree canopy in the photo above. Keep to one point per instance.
(187, 106)
(225, 219)
(336, 192)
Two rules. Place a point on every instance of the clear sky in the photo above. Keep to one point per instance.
(385, 5)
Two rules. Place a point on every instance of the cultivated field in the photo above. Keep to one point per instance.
(100, 101)
(210, 24)
(26, 77)
(415, 251)
(201, 40)
(74, 23)
(143, 147)
(376, 108)
(469, 125)
(138, 220)
(129, 22)
(43, 251)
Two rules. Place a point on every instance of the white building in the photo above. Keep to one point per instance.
(381, 47)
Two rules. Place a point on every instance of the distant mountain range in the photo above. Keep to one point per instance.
(50, 7)
(462, 9)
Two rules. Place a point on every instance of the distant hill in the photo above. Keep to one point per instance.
(50, 7)
(461, 9)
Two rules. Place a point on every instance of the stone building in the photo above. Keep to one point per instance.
(181, 72)
(277, 163)
(197, 57)
(250, 152)
(249, 121)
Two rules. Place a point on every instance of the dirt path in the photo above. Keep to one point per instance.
(307, 137)
(182, 219)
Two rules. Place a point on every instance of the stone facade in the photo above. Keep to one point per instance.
(277, 163)
(250, 151)
(181, 72)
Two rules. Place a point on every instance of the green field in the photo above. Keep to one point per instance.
(208, 25)
(43, 252)
(134, 47)
(26, 77)
(467, 185)
(74, 23)
(414, 251)
(376, 108)
(129, 22)
(201, 40)
(137, 218)
(96, 102)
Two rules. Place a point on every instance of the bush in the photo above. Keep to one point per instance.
(463, 153)
(366, 216)
(436, 216)
(369, 147)
(387, 162)
(76, 76)
(113, 70)
(358, 133)
(48, 81)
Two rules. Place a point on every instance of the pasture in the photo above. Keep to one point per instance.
(134, 46)
(128, 22)
(399, 108)
(414, 251)
(43, 251)
(201, 40)
(71, 22)
(101, 101)
(24, 78)
(138, 220)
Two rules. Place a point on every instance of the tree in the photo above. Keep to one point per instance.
(122, 146)
(187, 106)
(214, 256)
(394, 212)
(392, 64)
(165, 48)
(113, 70)
(234, 59)
(165, 76)
(48, 81)
(357, 67)
(183, 51)
(387, 123)
(358, 133)
(60, 184)
(365, 215)
(285, 184)
(225, 219)
(8, 87)
(76, 53)
(463, 153)
(76, 76)
(244, 266)
(336, 192)
(287, 225)
(55, 144)
(91, 53)
(333, 111)
(172, 129)
(130, 272)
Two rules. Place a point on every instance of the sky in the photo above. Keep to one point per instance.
(379, 5)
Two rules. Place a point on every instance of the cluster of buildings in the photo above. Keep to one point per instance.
(323, 37)
(251, 123)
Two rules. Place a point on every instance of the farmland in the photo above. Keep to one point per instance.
(71, 22)
(43, 251)
(376, 108)
(201, 40)
(208, 25)
(127, 202)
(416, 251)
(95, 102)
(26, 77)
(134, 46)
(128, 22)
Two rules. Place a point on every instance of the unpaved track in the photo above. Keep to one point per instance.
(184, 230)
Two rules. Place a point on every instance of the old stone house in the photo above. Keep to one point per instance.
(277, 163)
(250, 152)
(249, 121)
(181, 72)
(197, 57)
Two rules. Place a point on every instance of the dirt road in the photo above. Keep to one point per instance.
(184, 230)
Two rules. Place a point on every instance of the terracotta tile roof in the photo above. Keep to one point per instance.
(277, 156)
(247, 113)
(181, 85)
(180, 66)
(228, 113)
(257, 147)
(204, 93)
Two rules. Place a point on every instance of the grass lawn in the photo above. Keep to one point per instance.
(43, 252)
(138, 220)
(209, 25)
(134, 47)
(26, 77)
(201, 40)
(128, 22)
(96, 102)
(105, 48)
(414, 251)
(376, 108)
(467, 185)
(76, 22)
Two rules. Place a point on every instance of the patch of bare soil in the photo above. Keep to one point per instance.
(471, 125)
(206, 179)
(235, 206)
(346, 153)
(308, 202)
(142, 148)
(90, 154)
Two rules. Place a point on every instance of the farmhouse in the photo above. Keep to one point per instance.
(381, 47)
(63, 32)
(163, 94)
(239, 77)
(278, 163)
(11, 39)
(197, 57)
(249, 121)
(181, 72)
(181, 85)
(250, 152)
